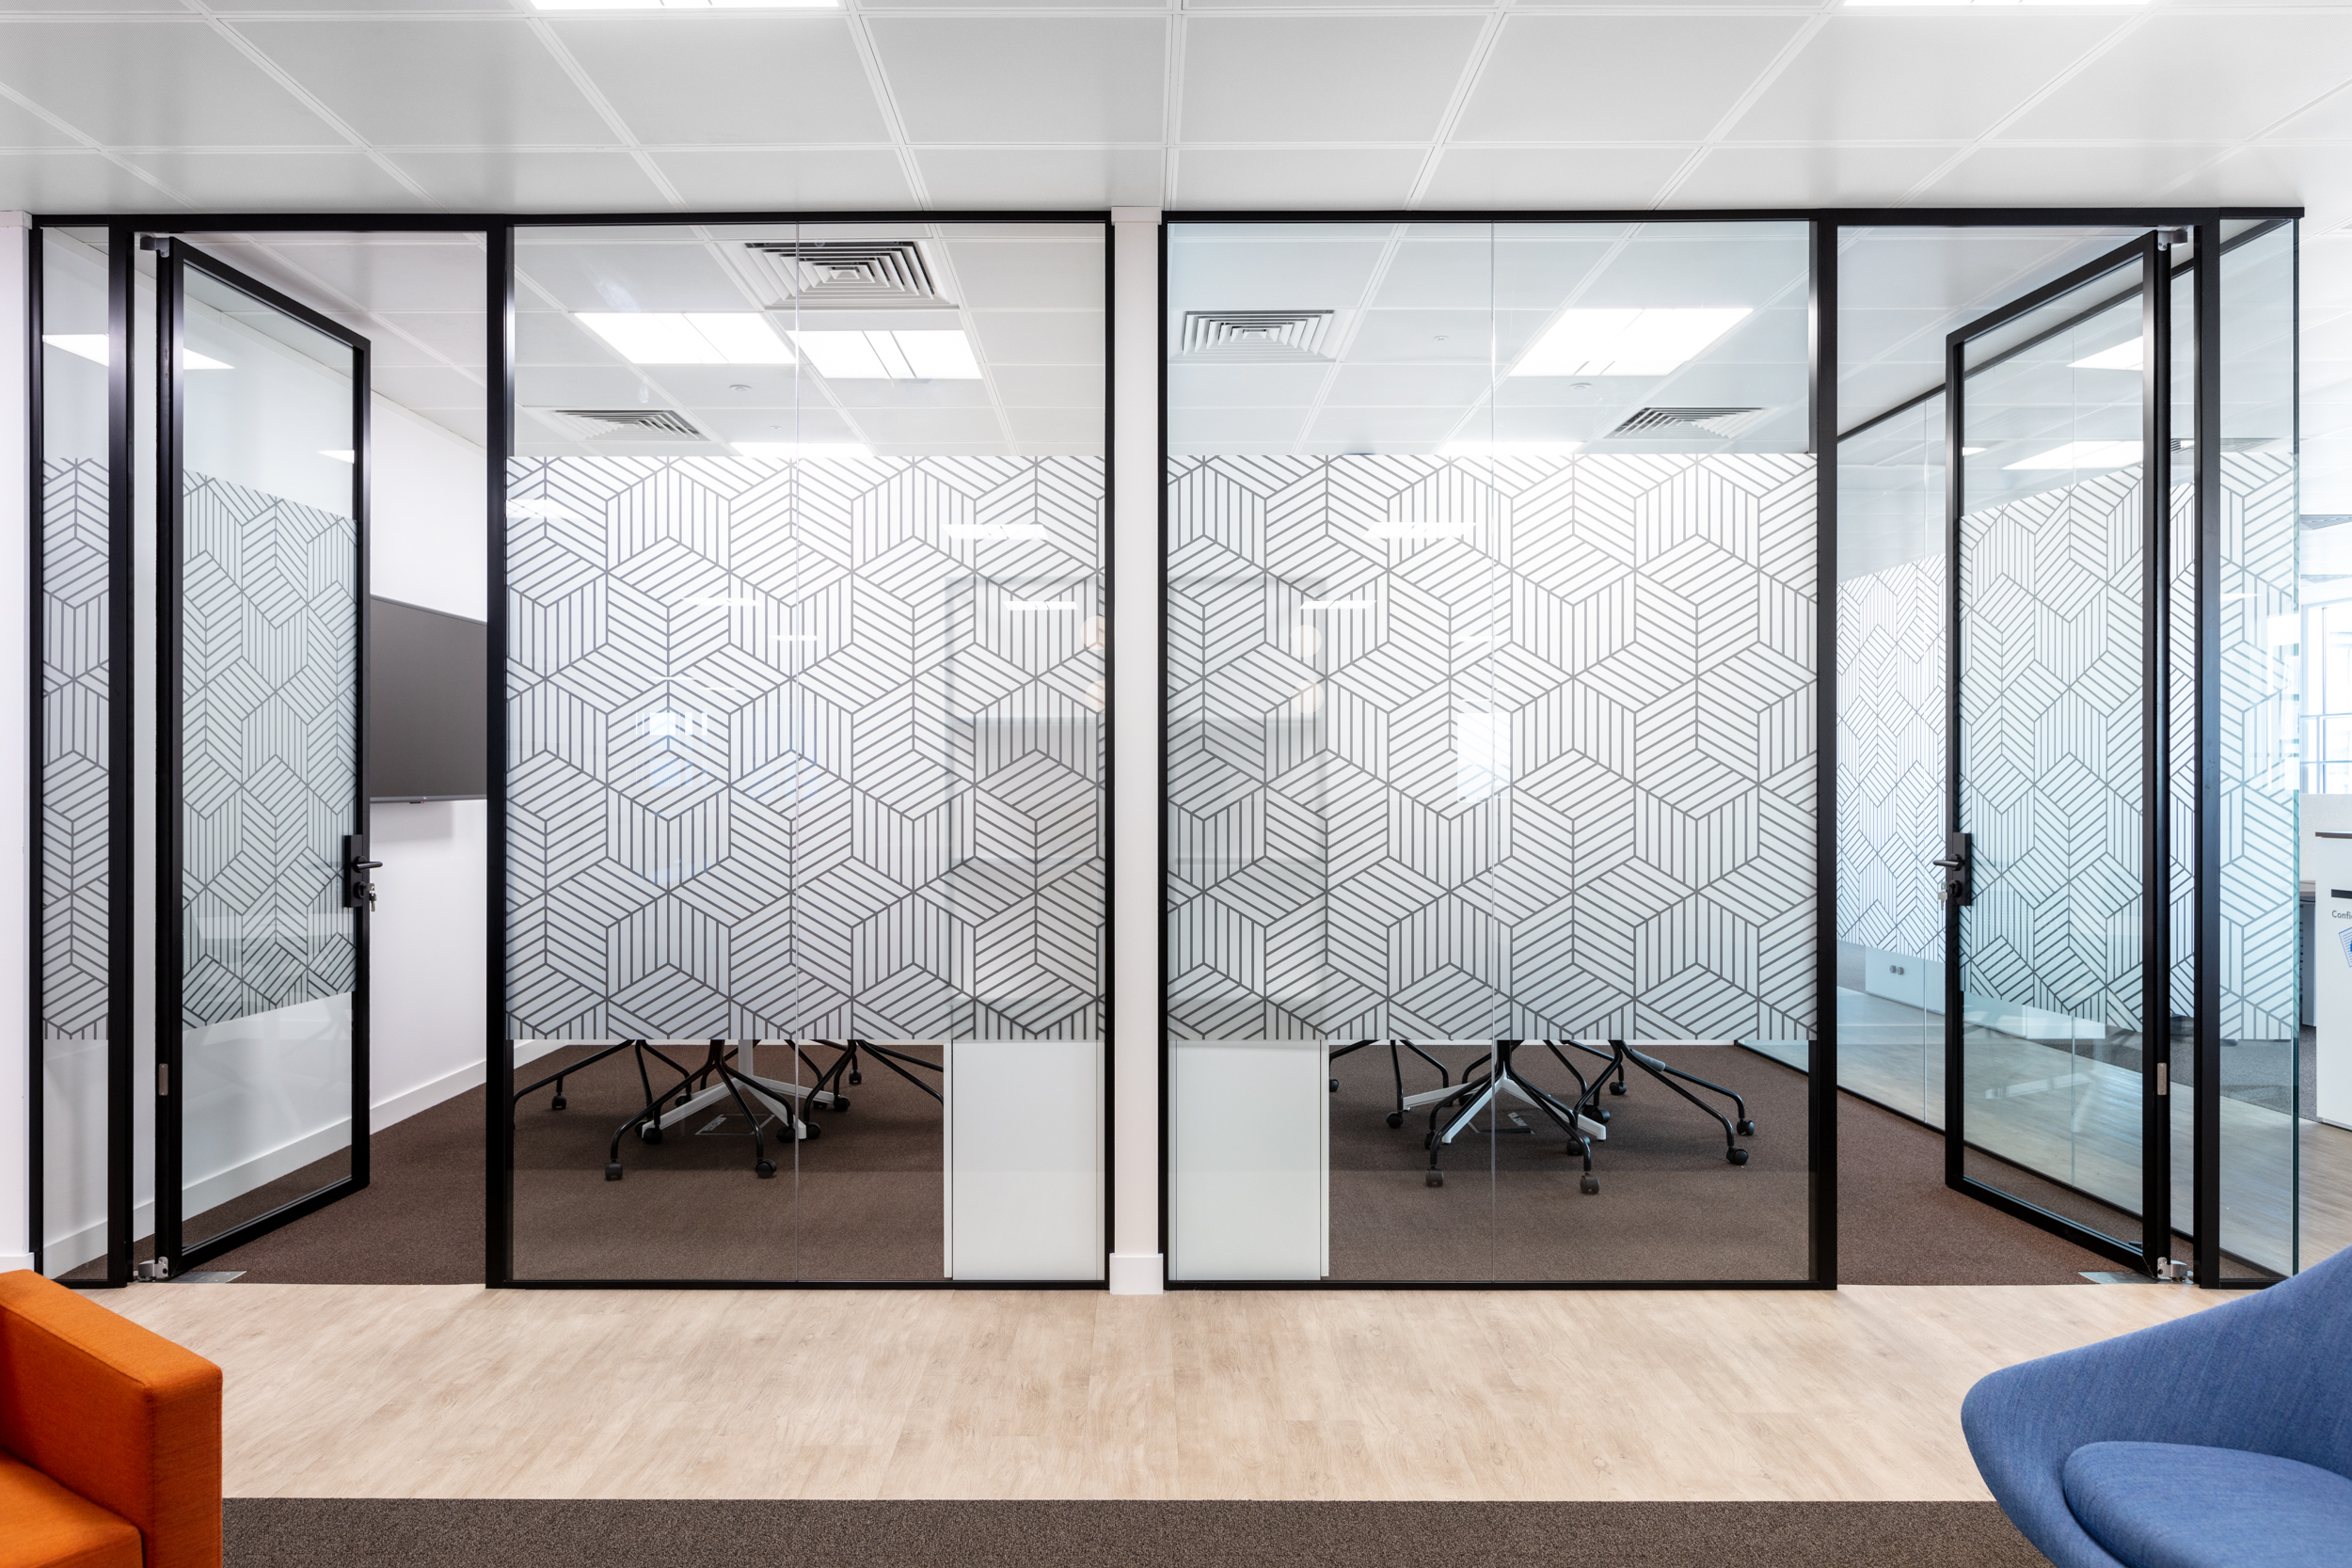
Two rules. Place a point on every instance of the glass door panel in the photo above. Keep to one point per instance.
(2055, 898)
(262, 1084)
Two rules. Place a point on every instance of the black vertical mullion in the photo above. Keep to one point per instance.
(1821, 1060)
(362, 989)
(2155, 907)
(121, 736)
(36, 536)
(171, 916)
(1955, 1024)
(2205, 1200)
(497, 1262)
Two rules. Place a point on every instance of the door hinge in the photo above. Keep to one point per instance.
(163, 1080)
(2163, 1078)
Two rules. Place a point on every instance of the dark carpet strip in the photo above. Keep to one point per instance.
(307, 1533)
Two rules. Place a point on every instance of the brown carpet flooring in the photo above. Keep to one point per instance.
(336, 1533)
(865, 1201)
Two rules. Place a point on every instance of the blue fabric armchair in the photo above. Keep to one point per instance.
(2223, 1440)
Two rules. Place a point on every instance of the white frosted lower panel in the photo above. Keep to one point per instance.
(73, 1153)
(1025, 1152)
(262, 1097)
(1246, 1167)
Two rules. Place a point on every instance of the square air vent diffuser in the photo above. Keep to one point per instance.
(1719, 422)
(1255, 336)
(860, 274)
(629, 423)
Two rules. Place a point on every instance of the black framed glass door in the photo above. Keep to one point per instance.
(2058, 867)
(262, 989)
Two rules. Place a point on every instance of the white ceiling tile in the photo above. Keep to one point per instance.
(1467, 265)
(1372, 427)
(1233, 429)
(2286, 173)
(781, 181)
(476, 83)
(726, 78)
(154, 84)
(1021, 79)
(626, 270)
(1391, 385)
(412, 338)
(1896, 77)
(1050, 386)
(1495, 177)
(923, 427)
(427, 387)
(1197, 385)
(1254, 266)
(576, 387)
(64, 182)
(1059, 425)
(1041, 336)
(382, 272)
(1321, 79)
(509, 180)
(1231, 178)
(1618, 78)
(2103, 176)
(1011, 273)
(280, 181)
(2330, 120)
(2186, 78)
(972, 177)
(1807, 176)
(1902, 267)
(19, 127)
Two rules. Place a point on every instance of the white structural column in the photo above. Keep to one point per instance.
(1135, 1267)
(16, 774)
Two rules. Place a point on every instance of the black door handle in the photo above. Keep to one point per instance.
(1948, 862)
(370, 865)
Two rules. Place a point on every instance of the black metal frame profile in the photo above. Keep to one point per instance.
(175, 258)
(499, 1127)
(1821, 1049)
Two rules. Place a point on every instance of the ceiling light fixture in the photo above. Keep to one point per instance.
(1627, 342)
(2080, 454)
(1509, 449)
(92, 346)
(686, 5)
(2122, 357)
(784, 451)
(945, 355)
(689, 337)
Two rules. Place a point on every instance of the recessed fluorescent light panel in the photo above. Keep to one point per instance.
(945, 355)
(92, 346)
(689, 337)
(1627, 342)
(2122, 357)
(784, 451)
(2080, 454)
(1509, 449)
(686, 5)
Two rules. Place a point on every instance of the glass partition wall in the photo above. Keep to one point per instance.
(803, 787)
(1492, 888)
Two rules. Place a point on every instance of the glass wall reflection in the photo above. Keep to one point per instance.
(1491, 589)
(805, 635)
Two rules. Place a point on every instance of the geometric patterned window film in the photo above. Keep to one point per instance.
(269, 649)
(804, 749)
(2259, 982)
(74, 797)
(1469, 748)
(1891, 701)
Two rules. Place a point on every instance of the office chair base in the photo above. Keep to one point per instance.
(1396, 1118)
(765, 1170)
(1736, 1156)
(648, 1132)
(1617, 1087)
(1747, 1128)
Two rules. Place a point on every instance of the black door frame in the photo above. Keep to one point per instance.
(2155, 295)
(174, 1253)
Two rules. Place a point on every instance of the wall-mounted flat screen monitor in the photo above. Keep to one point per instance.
(425, 703)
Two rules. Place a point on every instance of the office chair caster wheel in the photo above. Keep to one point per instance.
(1589, 1185)
(857, 1078)
(1437, 1179)
(1396, 1118)
(1601, 1114)
(839, 1103)
(765, 1170)
(1746, 1128)
(813, 1132)
(612, 1171)
(1617, 1088)
(1736, 1156)
(556, 1104)
(648, 1132)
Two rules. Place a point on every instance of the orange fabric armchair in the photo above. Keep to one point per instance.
(112, 1438)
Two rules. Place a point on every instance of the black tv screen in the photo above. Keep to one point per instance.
(425, 712)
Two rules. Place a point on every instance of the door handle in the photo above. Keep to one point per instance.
(1948, 862)
(1955, 865)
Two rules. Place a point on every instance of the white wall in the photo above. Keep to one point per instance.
(427, 546)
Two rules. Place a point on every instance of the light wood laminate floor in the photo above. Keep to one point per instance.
(454, 1391)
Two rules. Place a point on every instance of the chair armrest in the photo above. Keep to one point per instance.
(115, 1413)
